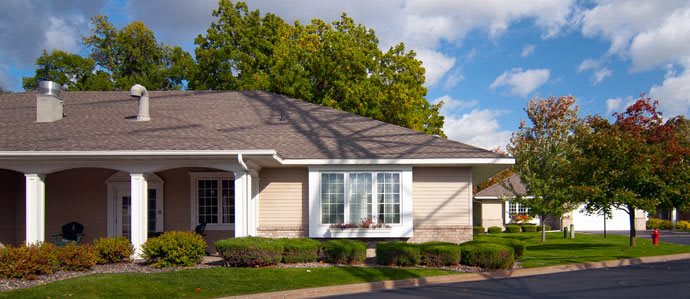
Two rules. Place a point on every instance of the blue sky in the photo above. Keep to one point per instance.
(485, 59)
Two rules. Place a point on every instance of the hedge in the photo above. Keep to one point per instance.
(174, 248)
(487, 255)
(112, 250)
(28, 262)
(397, 253)
(513, 228)
(343, 251)
(477, 230)
(518, 246)
(250, 251)
(548, 227)
(495, 230)
(300, 250)
(653, 223)
(683, 224)
(76, 257)
(528, 228)
(436, 254)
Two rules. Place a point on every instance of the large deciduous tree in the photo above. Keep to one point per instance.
(541, 156)
(336, 64)
(71, 71)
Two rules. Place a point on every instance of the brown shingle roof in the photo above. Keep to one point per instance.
(193, 120)
(497, 190)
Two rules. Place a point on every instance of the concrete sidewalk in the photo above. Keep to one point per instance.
(426, 281)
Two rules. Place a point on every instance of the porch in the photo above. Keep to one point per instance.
(135, 198)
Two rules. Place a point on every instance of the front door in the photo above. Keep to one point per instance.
(123, 209)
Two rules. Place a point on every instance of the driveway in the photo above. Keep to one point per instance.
(675, 237)
(658, 280)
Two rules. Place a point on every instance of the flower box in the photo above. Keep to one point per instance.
(359, 232)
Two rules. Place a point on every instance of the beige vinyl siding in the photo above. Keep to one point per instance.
(283, 200)
(441, 196)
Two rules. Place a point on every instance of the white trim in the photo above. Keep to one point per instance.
(502, 197)
(139, 212)
(193, 199)
(241, 204)
(401, 230)
(35, 208)
(166, 153)
(118, 183)
(439, 161)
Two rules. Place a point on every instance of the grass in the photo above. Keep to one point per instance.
(586, 248)
(214, 282)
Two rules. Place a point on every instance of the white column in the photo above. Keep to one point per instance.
(139, 210)
(35, 208)
(253, 206)
(241, 179)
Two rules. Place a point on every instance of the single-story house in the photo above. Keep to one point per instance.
(493, 207)
(246, 163)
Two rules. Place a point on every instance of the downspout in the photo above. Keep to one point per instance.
(241, 161)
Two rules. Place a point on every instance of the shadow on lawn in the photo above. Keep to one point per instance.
(539, 247)
(372, 274)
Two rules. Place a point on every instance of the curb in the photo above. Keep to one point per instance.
(425, 281)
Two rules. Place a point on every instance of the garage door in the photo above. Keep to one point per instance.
(584, 222)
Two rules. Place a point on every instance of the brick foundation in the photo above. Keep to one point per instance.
(282, 232)
(445, 233)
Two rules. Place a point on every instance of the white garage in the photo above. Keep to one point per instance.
(618, 221)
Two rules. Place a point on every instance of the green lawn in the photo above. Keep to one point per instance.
(213, 282)
(586, 248)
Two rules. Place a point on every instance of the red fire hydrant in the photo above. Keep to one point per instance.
(655, 237)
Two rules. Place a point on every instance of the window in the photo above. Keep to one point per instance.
(516, 208)
(215, 199)
(347, 197)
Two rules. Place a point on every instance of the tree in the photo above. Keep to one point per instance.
(132, 55)
(69, 70)
(624, 164)
(336, 64)
(541, 157)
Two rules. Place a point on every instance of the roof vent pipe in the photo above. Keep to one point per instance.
(139, 91)
(49, 106)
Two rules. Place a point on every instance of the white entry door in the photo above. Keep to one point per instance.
(121, 207)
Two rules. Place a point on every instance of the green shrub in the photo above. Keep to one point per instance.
(487, 255)
(478, 230)
(343, 251)
(513, 228)
(300, 250)
(548, 227)
(528, 228)
(27, 262)
(397, 253)
(76, 257)
(683, 224)
(495, 230)
(437, 254)
(174, 248)
(653, 223)
(250, 251)
(112, 250)
(517, 245)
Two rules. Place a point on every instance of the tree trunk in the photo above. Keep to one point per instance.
(633, 230)
(543, 227)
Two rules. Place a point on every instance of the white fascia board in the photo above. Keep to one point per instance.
(437, 161)
(137, 153)
(496, 197)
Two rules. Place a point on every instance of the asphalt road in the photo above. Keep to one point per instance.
(659, 280)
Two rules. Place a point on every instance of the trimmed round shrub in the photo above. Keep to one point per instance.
(344, 251)
(548, 227)
(174, 248)
(528, 228)
(27, 262)
(112, 250)
(397, 253)
(653, 223)
(517, 245)
(682, 224)
(250, 251)
(300, 250)
(495, 230)
(513, 228)
(76, 257)
(437, 254)
(487, 255)
(478, 230)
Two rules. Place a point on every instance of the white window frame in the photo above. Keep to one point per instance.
(194, 200)
(400, 230)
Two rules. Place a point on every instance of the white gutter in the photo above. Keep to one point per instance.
(166, 153)
(501, 197)
(437, 161)
(241, 162)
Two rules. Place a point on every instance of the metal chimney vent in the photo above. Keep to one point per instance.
(49, 106)
(139, 91)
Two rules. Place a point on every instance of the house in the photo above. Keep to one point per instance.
(246, 163)
(493, 207)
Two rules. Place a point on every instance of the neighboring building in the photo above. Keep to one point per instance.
(493, 207)
(246, 163)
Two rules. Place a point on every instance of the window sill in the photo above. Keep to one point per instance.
(220, 226)
(360, 232)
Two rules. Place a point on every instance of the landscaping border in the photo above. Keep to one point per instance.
(425, 281)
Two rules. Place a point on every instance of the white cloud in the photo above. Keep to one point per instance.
(601, 74)
(527, 50)
(588, 64)
(436, 65)
(666, 43)
(673, 94)
(61, 34)
(478, 127)
(453, 79)
(521, 82)
(5, 79)
(618, 104)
